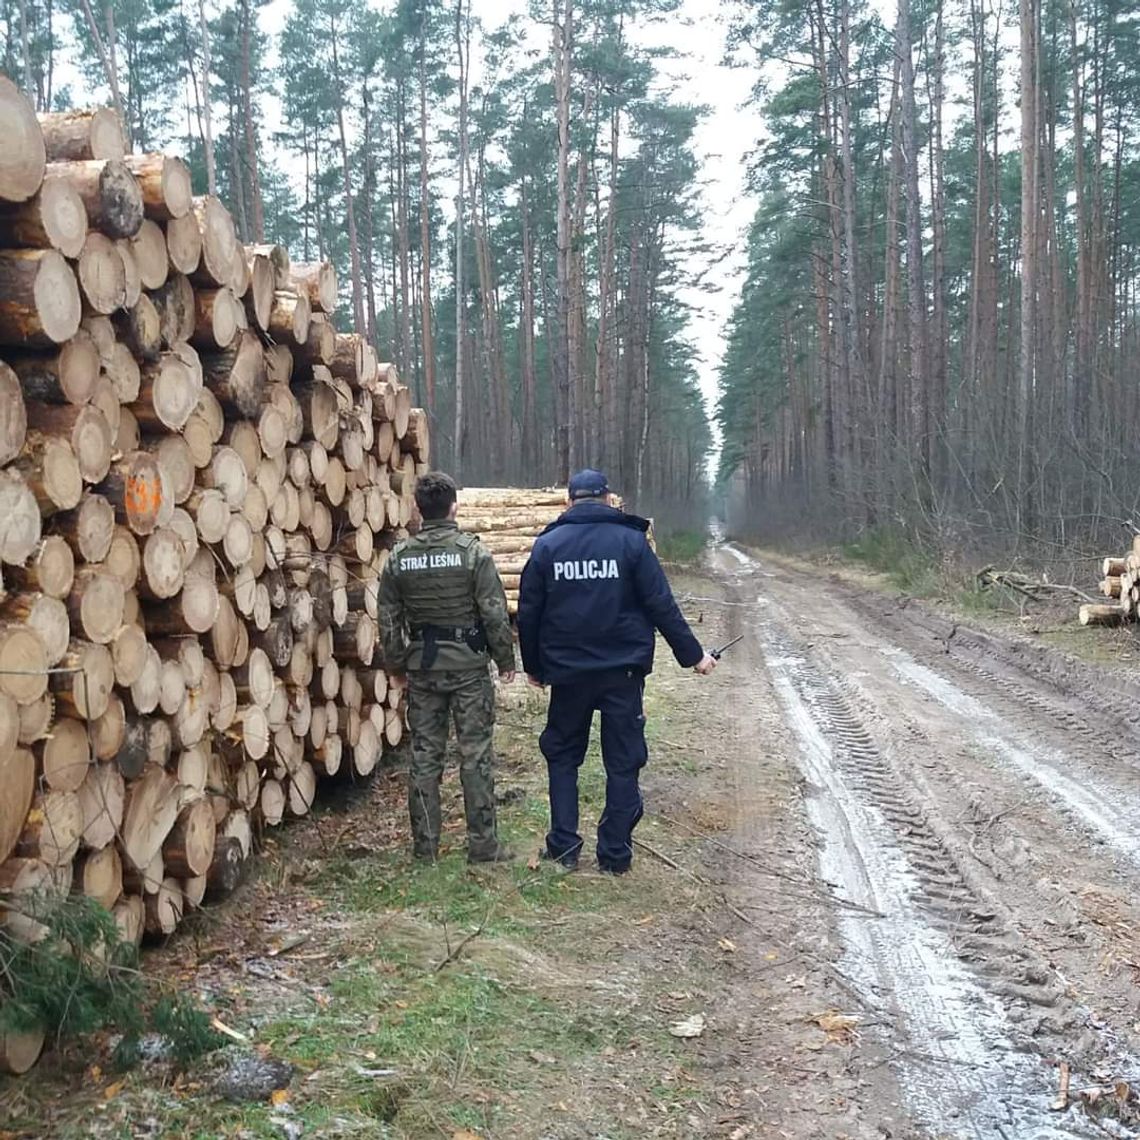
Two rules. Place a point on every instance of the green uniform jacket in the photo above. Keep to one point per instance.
(443, 577)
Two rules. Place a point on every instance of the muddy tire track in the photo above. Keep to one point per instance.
(1075, 698)
(952, 1036)
(981, 1015)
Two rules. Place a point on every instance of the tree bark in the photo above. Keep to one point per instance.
(528, 367)
(1028, 15)
(462, 48)
(427, 340)
(916, 284)
(252, 169)
(107, 58)
(207, 123)
(353, 241)
(563, 28)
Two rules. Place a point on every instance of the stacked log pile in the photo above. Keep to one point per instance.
(200, 479)
(1120, 585)
(507, 521)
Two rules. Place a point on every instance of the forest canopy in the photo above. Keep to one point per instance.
(937, 330)
(509, 208)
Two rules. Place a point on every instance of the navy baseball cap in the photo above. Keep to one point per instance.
(588, 484)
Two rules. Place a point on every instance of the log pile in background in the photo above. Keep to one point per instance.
(1120, 585)
(507, 521)
(200, 480)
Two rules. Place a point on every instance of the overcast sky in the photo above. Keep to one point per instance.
(724, 141)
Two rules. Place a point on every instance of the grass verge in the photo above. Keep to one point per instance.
(425, 1001)
(907, 564)
(916, 569)
(681, 547)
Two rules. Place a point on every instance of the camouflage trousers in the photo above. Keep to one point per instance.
(437, 698)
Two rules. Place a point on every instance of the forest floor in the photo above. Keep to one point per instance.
(887, 883)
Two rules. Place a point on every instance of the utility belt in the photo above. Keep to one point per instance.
(473, 636)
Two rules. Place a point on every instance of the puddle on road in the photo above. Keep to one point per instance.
(739, 555)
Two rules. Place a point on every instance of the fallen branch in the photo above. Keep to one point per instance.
(1062, 1101)
(457, 949)
(743, 855)
(1031, 588)
(651, 850)
(220, 1026)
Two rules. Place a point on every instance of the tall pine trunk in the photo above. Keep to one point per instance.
(973, 372)
(939, 338)
(350, 208)
(237, 182)
(427, 340)
(563, 21)
(892, 430)
(916, 284)
(857, 391)
(405, 341)
(604, 379)
(530, 442)
(1029, 208)
(462, 48)
(368, 235)
(257, 210)
(1083, 330)
(26, 50)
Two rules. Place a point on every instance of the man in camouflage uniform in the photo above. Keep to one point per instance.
(443, 616)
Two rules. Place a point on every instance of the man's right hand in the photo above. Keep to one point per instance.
(706, 665)
(534, 682)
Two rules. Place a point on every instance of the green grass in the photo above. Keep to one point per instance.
(892, 552)
(917, 570)
(972, 600)
(681, 546)
(488, 992)
(451, 1037)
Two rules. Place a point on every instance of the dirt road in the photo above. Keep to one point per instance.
(969, 808)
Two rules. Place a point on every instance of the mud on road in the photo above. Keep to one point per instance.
(944, 832)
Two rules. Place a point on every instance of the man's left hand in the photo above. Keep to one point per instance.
(506, 676)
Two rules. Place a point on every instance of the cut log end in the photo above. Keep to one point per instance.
(39, 298)
(81, 136)
(20, 1050)
(1101, 615)
(20, 520)
(23, 156)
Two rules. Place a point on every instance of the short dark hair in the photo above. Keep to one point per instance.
(435, 492)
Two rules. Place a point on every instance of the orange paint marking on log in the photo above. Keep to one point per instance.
(143, 496)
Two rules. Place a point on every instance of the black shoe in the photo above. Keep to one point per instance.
(426, 856)
(568, 862)
(606, 869)
(500, 853)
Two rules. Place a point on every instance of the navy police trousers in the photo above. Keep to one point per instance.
(617, 695)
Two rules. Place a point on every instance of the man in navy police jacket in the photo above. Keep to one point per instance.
(591, 598)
